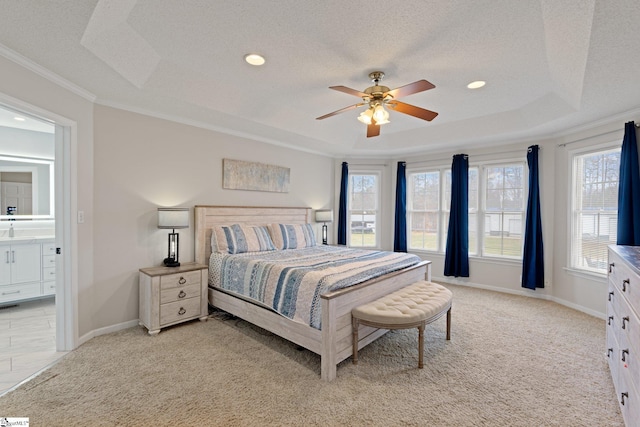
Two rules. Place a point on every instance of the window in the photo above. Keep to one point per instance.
(424, 210)
(363, 209)
(428, 204)
(504, 194)
(594, 219)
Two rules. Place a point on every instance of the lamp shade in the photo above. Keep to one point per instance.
(173, 218)
(324, 215)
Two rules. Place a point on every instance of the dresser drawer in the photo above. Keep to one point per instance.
(49, 273)
(48, 249)
(179, 310)
(181, 293)
(625, 280)
(629, 401)
(19, 291)
(180, 279)
(48, 261)
(48, 288)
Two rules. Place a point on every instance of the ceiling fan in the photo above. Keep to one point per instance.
(377, 97)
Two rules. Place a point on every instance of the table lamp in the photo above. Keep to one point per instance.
(324, 216)
(173, 218)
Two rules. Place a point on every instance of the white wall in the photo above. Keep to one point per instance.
(21, 88)
(142, 163)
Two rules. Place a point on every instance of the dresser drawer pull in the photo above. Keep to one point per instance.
(182, 311)
(622, 396)
(624, 320)
(624, 355)
(182, 280)
(609, 351)
(610, 295)
(9, 293)
(625, 282)
(613, 264)
(609, 320)
(182, 294)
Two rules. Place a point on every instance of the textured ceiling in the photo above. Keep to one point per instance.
(549, 65)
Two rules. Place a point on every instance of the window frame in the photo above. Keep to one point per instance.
(377, 212)
(482, 205)
(476, 252)
(439, 212)
(572, 157)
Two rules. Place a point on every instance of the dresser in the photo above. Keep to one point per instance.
(623, 329)
(171, 295)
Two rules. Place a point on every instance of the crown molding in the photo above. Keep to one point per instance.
(208, 126)
(43, 72)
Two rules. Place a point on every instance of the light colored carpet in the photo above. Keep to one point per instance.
(511, 361)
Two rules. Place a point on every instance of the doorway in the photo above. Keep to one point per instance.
(38, 140)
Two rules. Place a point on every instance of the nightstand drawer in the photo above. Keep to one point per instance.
(180, 279)
(179, 310)
(178, 294)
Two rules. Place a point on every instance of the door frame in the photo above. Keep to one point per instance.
(66, 239)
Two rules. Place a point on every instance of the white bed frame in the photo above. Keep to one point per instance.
(334, 342)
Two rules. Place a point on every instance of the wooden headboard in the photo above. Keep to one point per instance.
(206, 217)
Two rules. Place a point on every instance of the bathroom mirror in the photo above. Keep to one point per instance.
(26, 188)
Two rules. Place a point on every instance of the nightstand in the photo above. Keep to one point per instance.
(171, 295)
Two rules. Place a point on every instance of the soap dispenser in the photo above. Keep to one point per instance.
(11, 231)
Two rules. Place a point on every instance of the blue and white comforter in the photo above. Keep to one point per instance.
(291, 281)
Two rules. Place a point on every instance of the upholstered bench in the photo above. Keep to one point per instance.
(413, 306)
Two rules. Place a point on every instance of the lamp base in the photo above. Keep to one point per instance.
(170, 262)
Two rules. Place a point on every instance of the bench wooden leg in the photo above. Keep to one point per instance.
(449, 323)
(421, 345)
(355, 325)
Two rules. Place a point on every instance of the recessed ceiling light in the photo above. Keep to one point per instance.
(254, 59)
(476, 85)
(20, 119)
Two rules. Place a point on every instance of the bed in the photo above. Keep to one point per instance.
(333, 341)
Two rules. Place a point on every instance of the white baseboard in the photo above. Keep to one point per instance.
(107, 330)
(523, 292)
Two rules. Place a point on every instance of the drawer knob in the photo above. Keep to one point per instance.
(624, 354)
(181, 294)
(182, 280)
(625, 319)
(613, 264)
(623, 396)
(625, 282)
(182, 311)
(609, 351)
(610, 295)
(609, 320)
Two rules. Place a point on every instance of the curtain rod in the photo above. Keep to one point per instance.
(564, 144)
(467, 156)
(365, 164)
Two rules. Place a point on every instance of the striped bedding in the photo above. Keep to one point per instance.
(291, 281)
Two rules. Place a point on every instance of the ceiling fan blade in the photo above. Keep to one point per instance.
(412, 110)
(351, 107)
(373, 130)
(349, 91)
(411, 88)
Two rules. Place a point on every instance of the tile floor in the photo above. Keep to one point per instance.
(27, 341)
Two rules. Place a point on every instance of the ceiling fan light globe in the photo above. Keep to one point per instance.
(380, 115)
(366, 116)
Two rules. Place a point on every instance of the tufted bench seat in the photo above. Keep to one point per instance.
(413, 306)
